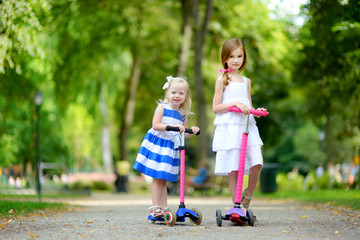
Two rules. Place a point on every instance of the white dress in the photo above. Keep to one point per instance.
(228, 133)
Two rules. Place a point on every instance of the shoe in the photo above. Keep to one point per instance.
(156, 211)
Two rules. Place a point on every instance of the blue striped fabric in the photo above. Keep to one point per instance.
(174, 114)
(158, 156)
(155, 174)
(159, 141)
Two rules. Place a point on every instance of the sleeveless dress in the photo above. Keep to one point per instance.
(158, 156)
(228, 133)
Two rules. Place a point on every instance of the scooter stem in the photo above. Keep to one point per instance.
(240, 178)
(182, 170)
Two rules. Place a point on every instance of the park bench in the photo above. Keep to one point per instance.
(213, 184)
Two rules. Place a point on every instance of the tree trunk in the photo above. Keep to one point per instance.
(128, 113)
(187, 33)
(105, 133)
(200, 33)
(330, 155)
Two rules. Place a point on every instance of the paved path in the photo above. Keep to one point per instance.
(116, 216)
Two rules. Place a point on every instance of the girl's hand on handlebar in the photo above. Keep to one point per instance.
(244, 109)
(181, 127)
(195, 129)
(260, 109)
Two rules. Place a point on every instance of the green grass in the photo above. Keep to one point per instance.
(334, 197)
(35, 196)
(10, 208)
(14, 205)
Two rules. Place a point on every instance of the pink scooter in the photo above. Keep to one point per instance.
(170, 217)
(236, 214)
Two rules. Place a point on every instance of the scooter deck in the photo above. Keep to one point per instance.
(159, 219)
(236, 211)
(236, 215)
(181, 214)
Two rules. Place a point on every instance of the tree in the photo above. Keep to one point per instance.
(328, 72)
(201, 29)
(187, 9)
(19, 32)
(21, 50)
(151, 47)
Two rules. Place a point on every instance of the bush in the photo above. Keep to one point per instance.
(91, 181)
(80, 186)
(289, 181)
(100, 185)
(311, 181)
(323, 182)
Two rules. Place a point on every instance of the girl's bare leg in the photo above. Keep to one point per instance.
(232, 179)
(159, 193)
(254, 175)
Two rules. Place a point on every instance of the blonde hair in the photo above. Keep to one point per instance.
(186, 105)
(228, 47)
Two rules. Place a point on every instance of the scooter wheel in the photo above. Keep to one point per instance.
(170, 218)
(250, 216)
(198, 220)
(218, 217)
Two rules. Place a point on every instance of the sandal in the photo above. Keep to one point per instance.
(244, 196)
(156, 211)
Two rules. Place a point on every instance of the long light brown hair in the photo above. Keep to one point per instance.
(228, 47)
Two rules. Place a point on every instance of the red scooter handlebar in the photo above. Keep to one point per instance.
(252, 111)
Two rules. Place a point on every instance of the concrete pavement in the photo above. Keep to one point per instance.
(120, 216)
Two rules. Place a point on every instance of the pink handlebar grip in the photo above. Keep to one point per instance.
(252, 111)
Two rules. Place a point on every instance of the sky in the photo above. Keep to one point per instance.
(288, 7)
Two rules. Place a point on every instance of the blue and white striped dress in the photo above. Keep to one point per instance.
(158, 156)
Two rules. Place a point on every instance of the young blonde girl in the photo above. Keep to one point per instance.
(233, 89)
(158, 156)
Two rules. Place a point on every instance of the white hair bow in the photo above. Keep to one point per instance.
(167, 84)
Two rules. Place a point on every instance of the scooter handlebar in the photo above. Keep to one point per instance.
(252, 111)
(177, 129)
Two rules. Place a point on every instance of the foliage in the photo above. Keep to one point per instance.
(80, 185)
(101, 185)
(14, 126)
(289, 181)
(90, 181)
(9, 150)
(306, 140)
(78, 135)
(324, 182)
(19, 31)
(330, 71)
(307, 77)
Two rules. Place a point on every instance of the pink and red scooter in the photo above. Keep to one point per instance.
(236, 214)
(170, 217)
